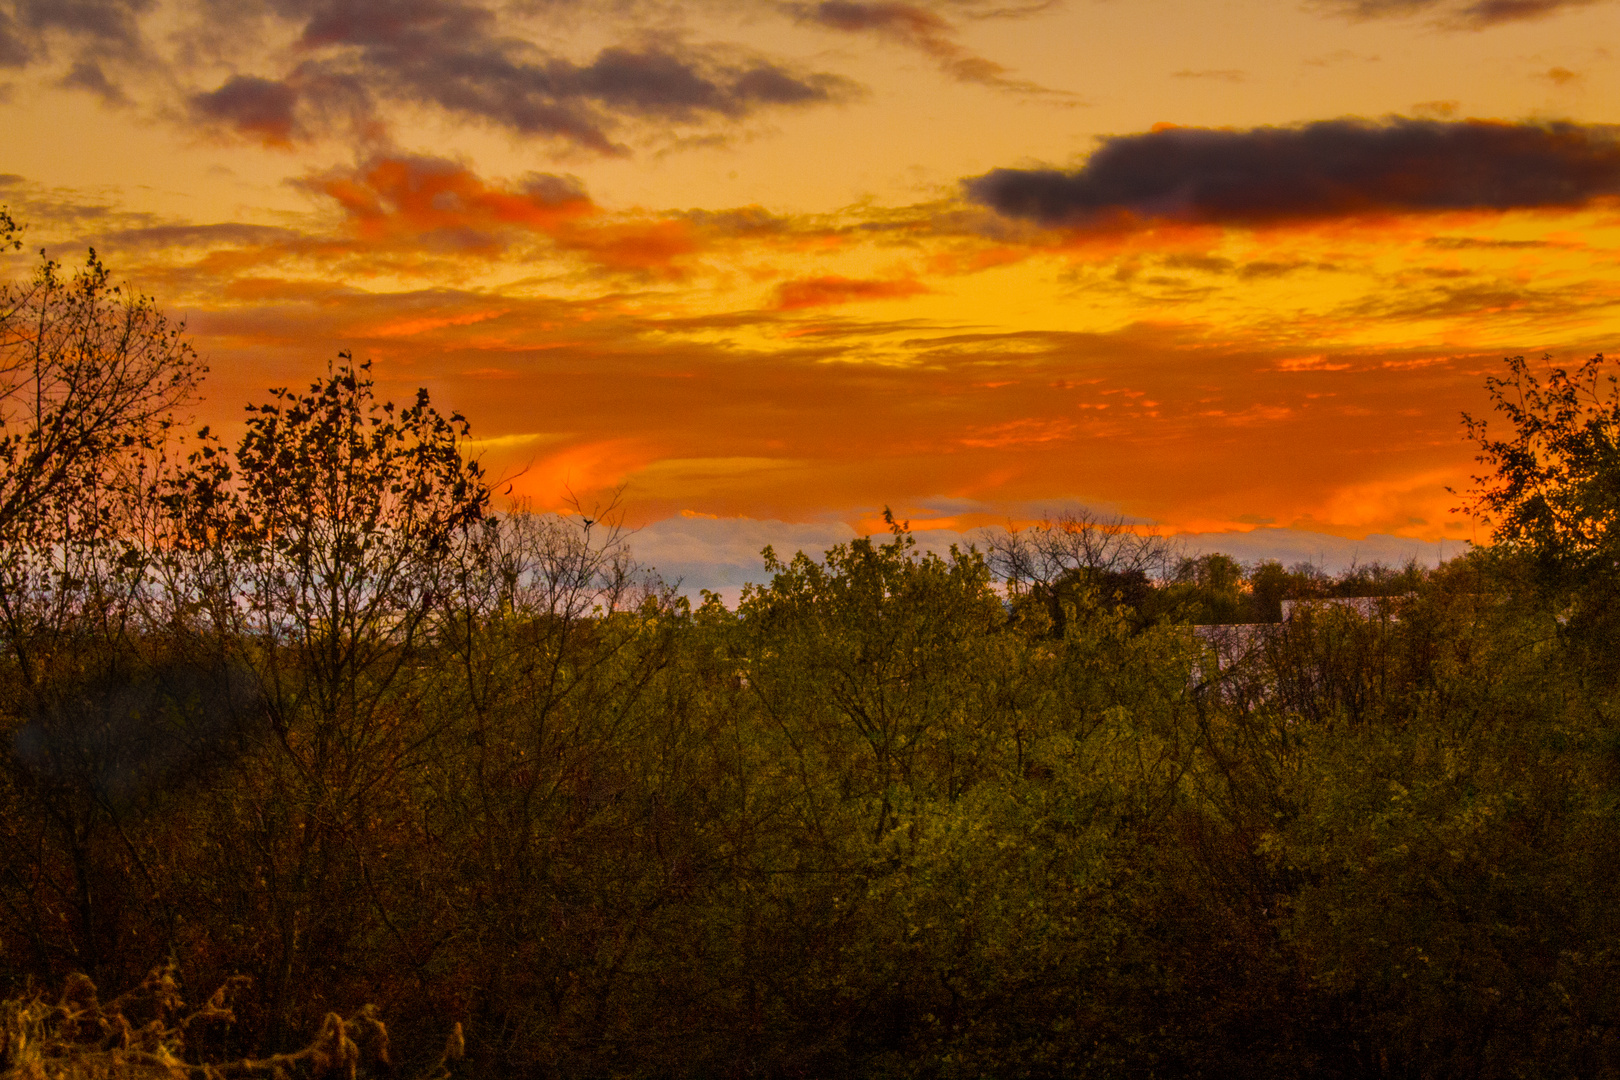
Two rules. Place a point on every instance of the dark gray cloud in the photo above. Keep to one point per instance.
(94, 35)
(246, 103)
(452, 54)
(1490, 12)
(1325, 169)
(909, 19)
(14, 50)
(197, 236)
(110, 26)
(1386, 9)
(1473, 14)
(353, 57)
(87, 74)
(661, 83)
(378, 24)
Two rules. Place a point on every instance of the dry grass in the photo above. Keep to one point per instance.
(142, 1035)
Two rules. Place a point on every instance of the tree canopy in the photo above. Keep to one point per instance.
(1553, 488)
(305, 720)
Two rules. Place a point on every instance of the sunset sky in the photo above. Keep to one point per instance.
(1229, 267)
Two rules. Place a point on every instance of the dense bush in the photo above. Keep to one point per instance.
(304, 718)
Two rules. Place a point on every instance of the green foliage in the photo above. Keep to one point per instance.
(305, 711)
(885, 662)
(1553, 495)
(1554, 485)
(1213, 588)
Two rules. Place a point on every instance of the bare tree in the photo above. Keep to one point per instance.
(1077, 542)
(563, 567)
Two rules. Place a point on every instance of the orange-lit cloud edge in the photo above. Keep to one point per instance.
(965, 367)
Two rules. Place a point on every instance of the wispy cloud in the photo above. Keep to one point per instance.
(827, 291)
(439, 203)
(349, 66)
(100, 40)
(922, 29)
(449, 56)
(1231, 75)
(1469, 14)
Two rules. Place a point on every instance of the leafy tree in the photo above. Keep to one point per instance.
(88, 373)
(563, 789)
(1269, 585)
(349, 518)
(1211, 589)
(888, 649)
(325, 552)
(92, 379)
(1553, 497)
(1554, 489)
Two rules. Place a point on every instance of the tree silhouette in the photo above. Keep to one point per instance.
(1554, 488)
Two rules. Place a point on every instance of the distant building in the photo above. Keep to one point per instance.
(1238, 647)
(1235, 645)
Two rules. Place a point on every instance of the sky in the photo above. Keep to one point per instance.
(754, 271)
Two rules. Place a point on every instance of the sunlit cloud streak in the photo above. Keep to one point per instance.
(746, 415)
(1326, 169)
(828, 291)
(417, 204)
(431, 201)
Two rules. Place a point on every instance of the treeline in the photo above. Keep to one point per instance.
(304, 710)
(1060, 562)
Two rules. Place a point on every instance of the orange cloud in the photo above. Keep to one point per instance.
(830, 290)
(1283, 389)
(432, 205)
(1214, 429)
(416, 199)
(651, 247)
(1020, 433)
